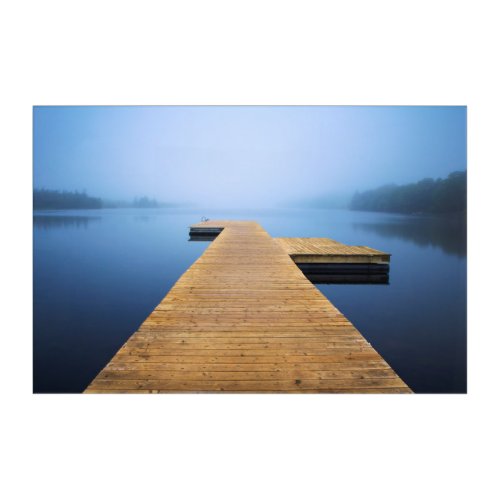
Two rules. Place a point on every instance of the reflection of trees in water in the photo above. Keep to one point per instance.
(447, 233)
(53, 221)
(143, 218)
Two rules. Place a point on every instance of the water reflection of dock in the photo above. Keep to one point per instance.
(244, 318)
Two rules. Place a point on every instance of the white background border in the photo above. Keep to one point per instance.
(159, 52)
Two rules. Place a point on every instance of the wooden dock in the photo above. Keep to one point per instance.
(244, 318)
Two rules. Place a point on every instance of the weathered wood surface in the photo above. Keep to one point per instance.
(325, 250)
(243, 318)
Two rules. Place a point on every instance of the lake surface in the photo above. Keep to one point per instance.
(99, 273)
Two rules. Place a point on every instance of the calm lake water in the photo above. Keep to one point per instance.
(99, 273)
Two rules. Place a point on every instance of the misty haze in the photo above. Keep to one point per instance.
(243, 157)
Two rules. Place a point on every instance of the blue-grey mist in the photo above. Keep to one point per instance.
(234, 157)
(99, 273)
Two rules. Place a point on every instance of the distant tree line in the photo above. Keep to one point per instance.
(52, 199)
(428, 196)
(145, 202)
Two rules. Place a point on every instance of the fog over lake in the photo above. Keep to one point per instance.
(243, 156)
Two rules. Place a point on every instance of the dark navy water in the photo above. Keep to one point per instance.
(99, 273)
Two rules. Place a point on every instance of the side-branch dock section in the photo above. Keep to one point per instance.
(244, 318)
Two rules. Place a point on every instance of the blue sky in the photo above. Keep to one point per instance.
(243, 156)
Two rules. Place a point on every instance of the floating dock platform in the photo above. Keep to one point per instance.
(244, 318)
(327, 251)
(323, 260)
